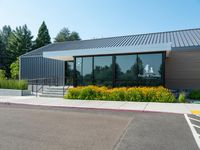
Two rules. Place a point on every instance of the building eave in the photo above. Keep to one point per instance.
(69, 54)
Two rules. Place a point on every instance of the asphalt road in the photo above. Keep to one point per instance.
(47, 128)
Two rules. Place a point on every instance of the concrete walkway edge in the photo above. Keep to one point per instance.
(180, 108)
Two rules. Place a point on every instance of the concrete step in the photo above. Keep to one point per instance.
(53, 92)
(51, 95)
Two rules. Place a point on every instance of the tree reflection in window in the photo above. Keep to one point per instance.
(103, 70)
(126, 70)
(69, 72)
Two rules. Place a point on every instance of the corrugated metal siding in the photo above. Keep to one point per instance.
(39, 67)
(180, 38)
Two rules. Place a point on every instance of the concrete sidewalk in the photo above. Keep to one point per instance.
(182, 108)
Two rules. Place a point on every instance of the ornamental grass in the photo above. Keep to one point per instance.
(13, 84)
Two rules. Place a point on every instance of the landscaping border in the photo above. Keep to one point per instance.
(14, 92)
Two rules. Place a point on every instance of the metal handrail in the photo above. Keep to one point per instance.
(49, 82)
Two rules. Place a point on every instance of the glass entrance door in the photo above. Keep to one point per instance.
(69, 72)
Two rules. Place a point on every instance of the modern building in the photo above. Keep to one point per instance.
(171, 59)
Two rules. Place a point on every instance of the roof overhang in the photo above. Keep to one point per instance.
(69, 54)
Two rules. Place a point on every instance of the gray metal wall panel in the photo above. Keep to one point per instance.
(39, 67)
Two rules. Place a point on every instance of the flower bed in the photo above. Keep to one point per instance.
(139, 94)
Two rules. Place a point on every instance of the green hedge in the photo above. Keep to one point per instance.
(13, 84)
(194, 94)
(140, 94)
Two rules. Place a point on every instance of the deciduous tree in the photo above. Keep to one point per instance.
(66, 35)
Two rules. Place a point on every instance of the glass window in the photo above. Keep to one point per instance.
(103, 70)
(87, 70)
(79, 71)
(69, 71)
(84, 70)
(150, 68)
(130, 70)
(126, 70)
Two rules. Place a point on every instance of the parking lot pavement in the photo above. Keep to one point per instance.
(194, 124)
(158, 132)
(27, 127)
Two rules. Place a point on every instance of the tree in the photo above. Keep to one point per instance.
(4, 53)
(1, 52)
(19, 42)
(14, 69)
(43, 37)
(65, 35)
(74, 36)
(2, 74)
(6, 31)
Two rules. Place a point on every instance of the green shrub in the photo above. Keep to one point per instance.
(2, 74)
(181, 97)
(117, 94)
(194, 94)
(145, 94)
(133, 94)
(13, 84)
(14, 69)
(164, 95)
(72, 93)
(87, 93)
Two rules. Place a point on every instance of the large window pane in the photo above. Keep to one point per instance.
(87, 70)
(69, 71)
(79, 71)
(103, 70)
(150, 69)
(84, 70)
(126, 70)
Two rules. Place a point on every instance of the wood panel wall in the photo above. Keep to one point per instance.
(182, 70)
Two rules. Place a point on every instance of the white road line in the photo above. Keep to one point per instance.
(195, 126)
(194, 119)
(195, 134)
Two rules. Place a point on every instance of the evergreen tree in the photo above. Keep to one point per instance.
(1, 52)
(6, 30)
(19, 42)
(43, 37)
(4, 53)
(65, 35)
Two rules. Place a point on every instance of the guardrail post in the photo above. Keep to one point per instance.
(36, 88)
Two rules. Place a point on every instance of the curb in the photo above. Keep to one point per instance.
(92, 108)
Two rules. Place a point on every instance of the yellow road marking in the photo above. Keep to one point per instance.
(195, 112)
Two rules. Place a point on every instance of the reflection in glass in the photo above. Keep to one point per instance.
(130, 70)
(79, 71)
(84, 70)
(69, 71)
(126, 70)
(103, 70)
(150, 69)
(87, 70)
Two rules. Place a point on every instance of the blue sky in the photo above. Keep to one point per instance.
(101, 18)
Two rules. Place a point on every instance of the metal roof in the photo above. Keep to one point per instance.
(189, 38)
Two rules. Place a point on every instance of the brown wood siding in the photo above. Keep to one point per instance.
(182, 70)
